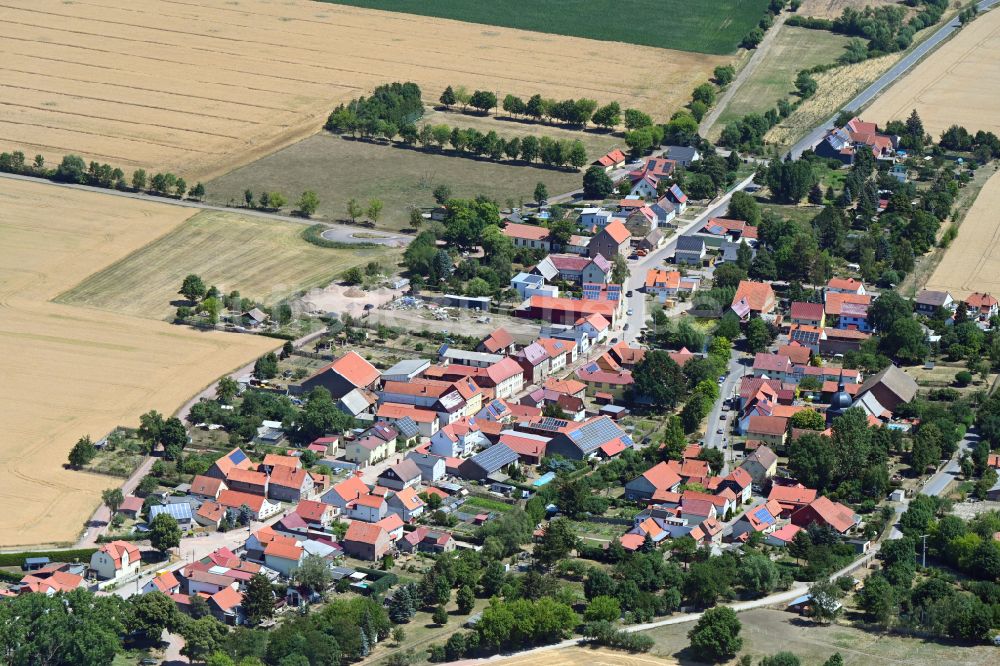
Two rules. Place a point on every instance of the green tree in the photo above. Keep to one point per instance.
(877, 600)
(354, 210)
(466, 599)
(258, 599)
(442, 193)
(557, 541)
(724, 74)
(743, 206)
(758, 335)
(266, 367)
(603, 608)
(352, 276)
(597, 184)
(139, 180)
(619, 270)
(447, 97)
(808, 419)
(716, 636)
(112, 498)
(308, 203)
(320, 417)
(152, 613)
(164, 533)
(82, 452)
(180, 187)
(659, 380)
(313, 573)
(72, 169)
(193, 288)
(198, 191)
(541, 193)
(758, 573)
(824, 605)
(374, 210)
(440, 615)
(276, 200)
(202, 637)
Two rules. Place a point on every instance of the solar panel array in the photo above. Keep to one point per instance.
(551, 423)
(806, 337)
(593, 435)
(237, 456)
(496, 457)
(763, 515)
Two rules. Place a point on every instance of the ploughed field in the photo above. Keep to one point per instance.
(71, 371)
(200, 88)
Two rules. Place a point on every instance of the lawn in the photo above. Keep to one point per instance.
(339, 170)
(765, 632)
(710, 26)
(263, 259)
(793, 50)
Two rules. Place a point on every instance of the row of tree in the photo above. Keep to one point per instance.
(73, 169)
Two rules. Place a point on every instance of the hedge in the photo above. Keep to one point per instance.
(10, 576)
(17, 559)
(314, 234)
(383, 579)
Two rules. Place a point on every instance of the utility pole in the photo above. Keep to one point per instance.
(923, 561)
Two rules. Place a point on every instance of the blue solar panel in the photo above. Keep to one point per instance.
(237, 456)
(763, 515)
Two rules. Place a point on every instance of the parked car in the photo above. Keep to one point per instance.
(629, 312)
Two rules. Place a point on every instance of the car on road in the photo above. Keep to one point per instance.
(625, 327)
(719, 431)
(630, 312)
(628, 294)
(722, 416)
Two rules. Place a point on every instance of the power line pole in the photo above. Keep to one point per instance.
(923, 561)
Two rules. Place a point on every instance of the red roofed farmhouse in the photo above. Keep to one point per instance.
(115, 560)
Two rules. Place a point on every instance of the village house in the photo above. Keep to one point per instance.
(842, 143)
(343, 493)
(846, 286)
(791, 498)
(283, 557)
(506, 378)
(809, 314)
(427, 540)
(611, 241)
(207, 487)
(761, 465)
(611, 383)
(762, 519)
(260, 508)
(289, 484)
(432, 467)
(770, 430)
(406, 504)
(828, 513)
(528, 236)
(366, 541)
(690, 250)
(425, 420)
(500, 341)
(928, 301)
(316, 515)
(611, 161)
(667, 284)
(235, 459)
(165, 582)
(404, 474)
(375, 444)
(753, 299)
(653, 484)
(368, 508)
(983, 306)
(116, 560)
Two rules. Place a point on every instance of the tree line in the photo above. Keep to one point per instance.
(577, 112)
(73, 169)
(884, 26)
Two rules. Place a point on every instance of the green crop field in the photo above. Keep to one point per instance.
(263, 259)
(708, 26)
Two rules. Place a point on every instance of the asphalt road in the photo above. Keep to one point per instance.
(940, 480)
(886, 80)
(339, 233)
(637, 278)
(738, 364)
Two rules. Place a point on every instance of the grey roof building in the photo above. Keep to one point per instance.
(406, 370)
(488, 462)
(181, 512)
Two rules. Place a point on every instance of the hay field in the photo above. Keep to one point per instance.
(70, 371)
(577, 656)
(199, 88)
(957, 84)
(972, 262)
(263, 259)
(792, 50)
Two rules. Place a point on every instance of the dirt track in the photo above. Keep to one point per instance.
(200, 88)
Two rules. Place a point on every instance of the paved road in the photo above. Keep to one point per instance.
(886, 80)
(940, 480)
(738, 363)
(340, 233)
(637, 277)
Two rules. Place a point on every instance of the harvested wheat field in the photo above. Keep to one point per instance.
(959, 84)
(263, 259)
(576, 656)
(199, 88)
(972, 262)
(71, 371)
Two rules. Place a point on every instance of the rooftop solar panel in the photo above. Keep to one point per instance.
(237, 456)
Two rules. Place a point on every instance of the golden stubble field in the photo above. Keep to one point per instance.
(71, 371)
(972, 262)
(200, 88)
(959, 84)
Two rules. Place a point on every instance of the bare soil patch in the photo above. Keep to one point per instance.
(959, 84)
(833, 8)
(71, 371)
(197, 88)
(577, 656)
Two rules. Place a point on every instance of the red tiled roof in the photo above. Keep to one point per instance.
(661, 476)
(846, 284)
(227, 598)
(234, 499)
(617, 231)
(247, 476)
(355, 369)
(368, 533)
(371, 501)
(205, 485)
(807, 311)
(834, 514)
(525, 231)
(835, 301)
(288, 477)
(497, 340)
(759, 295)
(767, 425)
(272, 459)
(284, 550)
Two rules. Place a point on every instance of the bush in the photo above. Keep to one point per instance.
(963, 378)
